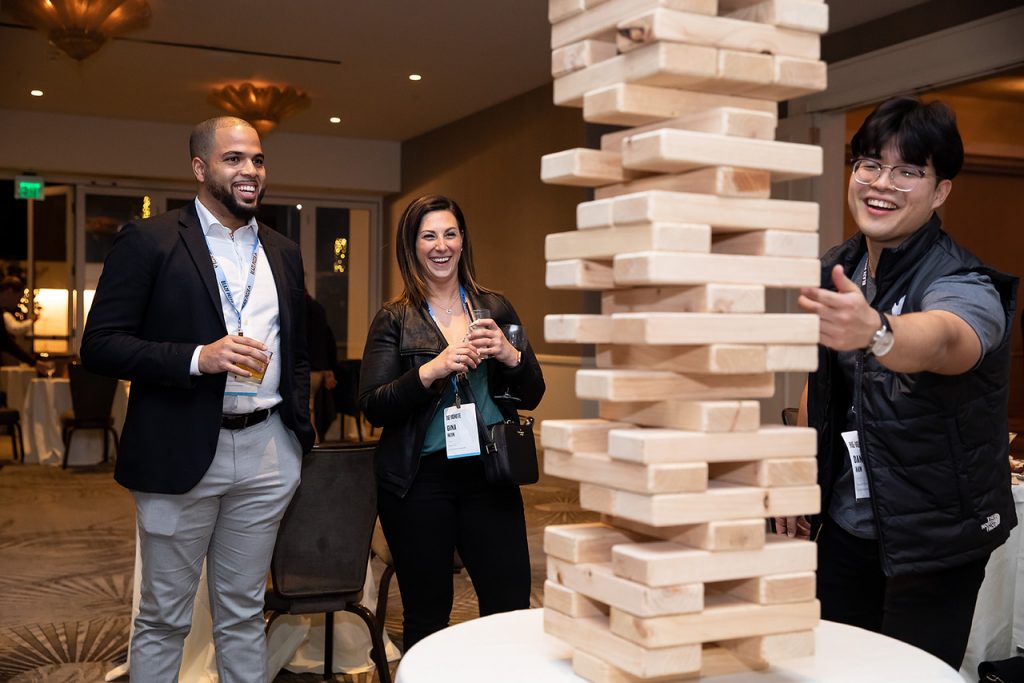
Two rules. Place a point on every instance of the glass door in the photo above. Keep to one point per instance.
(50, 273)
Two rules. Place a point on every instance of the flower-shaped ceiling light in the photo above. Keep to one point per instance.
(80, 27)
(262, 106)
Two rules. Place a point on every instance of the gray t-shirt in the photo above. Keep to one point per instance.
(969, 296)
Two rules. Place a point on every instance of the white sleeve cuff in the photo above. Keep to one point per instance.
(193, 368)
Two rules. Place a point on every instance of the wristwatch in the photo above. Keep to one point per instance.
(883, 340)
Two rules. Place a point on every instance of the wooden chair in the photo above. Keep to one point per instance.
(92, 398)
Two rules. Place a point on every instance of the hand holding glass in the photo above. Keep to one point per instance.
(256, 376)
(479, 314)
(516, 335)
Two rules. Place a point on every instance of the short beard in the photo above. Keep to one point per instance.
(228, 201)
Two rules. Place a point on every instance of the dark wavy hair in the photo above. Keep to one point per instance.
(405, 244)
(919, 131)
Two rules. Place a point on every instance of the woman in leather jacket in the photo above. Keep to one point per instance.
(432, 503)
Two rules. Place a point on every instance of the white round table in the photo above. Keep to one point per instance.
(512, 648)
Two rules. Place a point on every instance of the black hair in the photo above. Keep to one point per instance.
(200, 142)
(919, 131)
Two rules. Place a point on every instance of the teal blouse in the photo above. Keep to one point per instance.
(434, 439)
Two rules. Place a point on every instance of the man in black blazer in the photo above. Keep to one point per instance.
(192, 305)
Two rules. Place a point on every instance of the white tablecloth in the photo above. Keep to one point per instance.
(45, 402)
(14, 381)
(513, 648)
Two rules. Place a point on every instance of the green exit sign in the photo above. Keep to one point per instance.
(28, 187)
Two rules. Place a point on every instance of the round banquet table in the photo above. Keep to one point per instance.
(512, 648)
(14, 381)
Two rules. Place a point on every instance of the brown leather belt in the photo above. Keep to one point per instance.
(235, 422)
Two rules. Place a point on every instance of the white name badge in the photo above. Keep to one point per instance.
(461, 437)
(236, 386)
(860, 475)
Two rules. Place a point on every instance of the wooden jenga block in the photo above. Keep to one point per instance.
(599, 19)
(773, 472)
(592, 635)
(714, 359)
(769, 590)
(578, 329)
(666, 564)
(730, 534)
(657, 385)
(578, 543)
(570, 602)
(792, 77)
(738, 72)
(668, 445)
(698, 416)
(559, 10)
(721, 213)
(672, 509)
(724, 32)
(787, 358)
(578, 436)
(596, 670)
(767, 243)
(671, 65)
(624, 104)
(711, 298)
(801, 15)
(598, 468)
(772, 648)
(693, 329)
(584, 168)
(790, 501)
(661, 268)
(605, 244)
(723, 181)
(579, 55)
(724, 617)
(599, 583)
(675, 151)
(579, 274)
(744, 123)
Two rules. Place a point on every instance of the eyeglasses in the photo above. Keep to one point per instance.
(901, 178)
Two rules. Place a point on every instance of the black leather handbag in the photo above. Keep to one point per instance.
(507, 449)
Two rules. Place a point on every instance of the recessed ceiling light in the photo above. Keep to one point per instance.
(36, 93)
(299, 207)
(415, 77)
(335, 119)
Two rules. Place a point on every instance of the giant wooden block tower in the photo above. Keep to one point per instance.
(682, 240)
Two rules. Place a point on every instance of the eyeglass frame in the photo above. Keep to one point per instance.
(921, 175)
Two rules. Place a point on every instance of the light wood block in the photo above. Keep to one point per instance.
(667, 445)
(774, 472)
(739, 72)
(571, 603)
(578, 543)
(579, 274)
(716, 661)
(671, 65)
(792, 77)
(801, 15)
(744, 123)
(578, 436)
(623, 104)
(592, 635)
(772, 648)
(676, 151)
(596, 670)
(559, 10)
(723, 32)
(583, 167)
(724, 617)
(606, 243)
(721, 213)
(711, 298)
(660, 268)
(732, 534)
(656, 385)
(715, 359)
(792, 501)
(578, 329)
(666, 564)
(579, 55)
(598, 468)
(723, 181)
(786, 358)
(600, 18)
(597, 582)
(698, 416)
(785, 243)
(672, 509)
(692, 329)
(769, 590)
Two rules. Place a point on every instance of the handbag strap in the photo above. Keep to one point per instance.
(485, 434)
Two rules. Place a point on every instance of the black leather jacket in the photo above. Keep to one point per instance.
(400, 340)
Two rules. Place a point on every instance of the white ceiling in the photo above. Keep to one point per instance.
(356, 56)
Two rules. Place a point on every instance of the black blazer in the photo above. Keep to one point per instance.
(158, 299)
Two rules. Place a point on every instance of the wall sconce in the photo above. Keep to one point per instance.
(262, 106)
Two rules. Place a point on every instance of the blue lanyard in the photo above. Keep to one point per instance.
(250, 281)
(462, 295)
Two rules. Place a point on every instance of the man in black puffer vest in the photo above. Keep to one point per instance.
(910, 396)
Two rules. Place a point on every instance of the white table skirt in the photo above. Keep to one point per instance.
(14, 381)
(45, 402)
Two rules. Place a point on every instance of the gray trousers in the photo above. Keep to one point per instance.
(230, 518)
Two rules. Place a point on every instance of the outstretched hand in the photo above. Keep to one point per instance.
(847, 320)
(233, 353)
(455, 358)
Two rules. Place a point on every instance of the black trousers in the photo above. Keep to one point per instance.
(931, 611)
(451, 506)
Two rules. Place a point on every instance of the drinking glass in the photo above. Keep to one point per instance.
(516, 335)
(479, 314)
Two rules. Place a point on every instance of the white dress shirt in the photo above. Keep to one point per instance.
(260, 319)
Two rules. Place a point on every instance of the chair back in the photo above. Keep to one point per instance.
(346, 394)
(92, 395)
(323, 544)
(789, 417)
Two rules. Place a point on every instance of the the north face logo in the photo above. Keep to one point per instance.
(991, 523)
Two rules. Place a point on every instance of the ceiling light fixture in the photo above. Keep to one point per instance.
(264, 106)
(79, 27)
(335, 119)
(35, 93)
(415, 77)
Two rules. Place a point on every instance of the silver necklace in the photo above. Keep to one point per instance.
(451, 303)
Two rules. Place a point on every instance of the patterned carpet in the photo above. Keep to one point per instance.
(66, 562)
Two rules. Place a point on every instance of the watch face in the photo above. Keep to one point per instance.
(884, 344)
